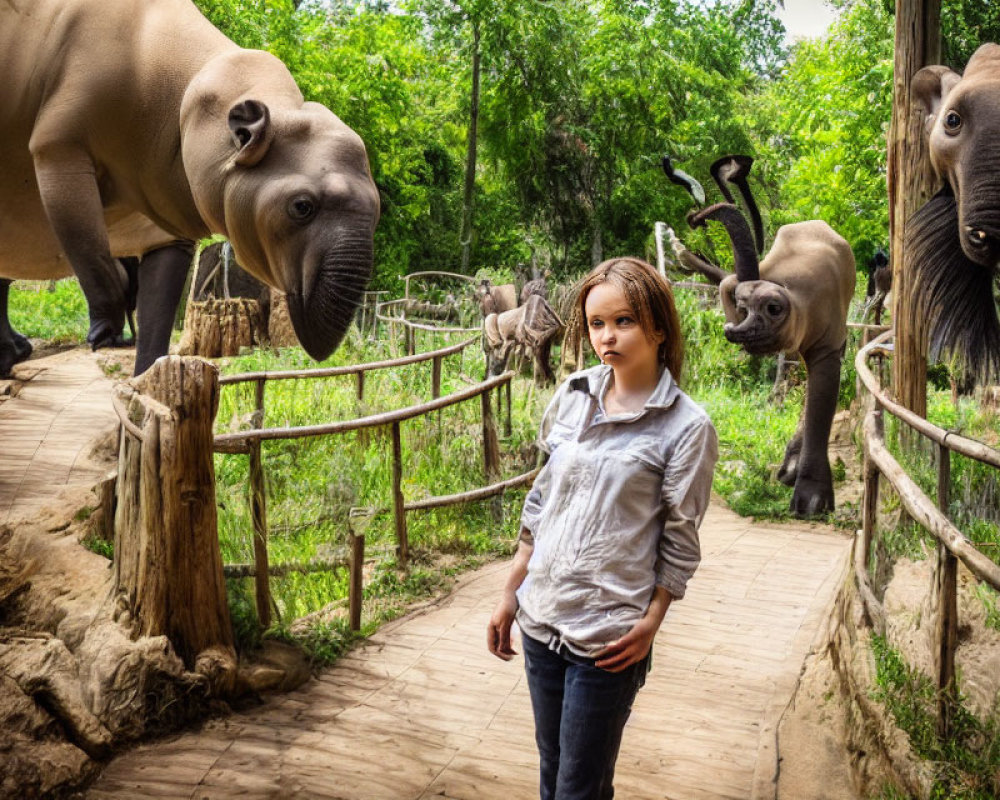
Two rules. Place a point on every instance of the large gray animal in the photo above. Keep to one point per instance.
(954, 239)
(794, 301)
(133, 128)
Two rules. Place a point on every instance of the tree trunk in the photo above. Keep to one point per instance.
(470, 158)
(596, 242)
(167, 560)
(911, 182)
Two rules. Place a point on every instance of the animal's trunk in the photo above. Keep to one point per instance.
(322, 315)
(746, 265)
(979, 218)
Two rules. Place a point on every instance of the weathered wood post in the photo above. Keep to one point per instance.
(398, 503)
(491, 452)
(946, 579)
(258, 513)
(436, 377)
(167, 562)
(356, 591)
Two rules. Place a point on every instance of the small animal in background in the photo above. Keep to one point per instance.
(879, 285)
(527, 330)
(494, 299)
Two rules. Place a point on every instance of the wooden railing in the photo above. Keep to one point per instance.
(953, 546)
(249, 442)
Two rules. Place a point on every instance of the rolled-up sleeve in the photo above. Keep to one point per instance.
(687, 487)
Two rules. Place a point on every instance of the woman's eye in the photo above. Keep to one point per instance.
(624, 320)
(595, 323)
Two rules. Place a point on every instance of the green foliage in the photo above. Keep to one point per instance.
(55, 312)
(98, 544)
(967, 763)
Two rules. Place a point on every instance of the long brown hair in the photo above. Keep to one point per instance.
(652, 299)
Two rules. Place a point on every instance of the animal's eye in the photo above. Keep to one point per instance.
(301, 208)
(773, 309)
(952, 122)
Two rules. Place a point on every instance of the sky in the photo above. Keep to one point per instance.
(808, 18)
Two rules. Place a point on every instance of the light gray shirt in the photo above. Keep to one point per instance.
(614, 512)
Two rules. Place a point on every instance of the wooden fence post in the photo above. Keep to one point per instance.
(258, 513)
(356, 591)
(436, 378)
(491, 452)
(946, 579)
(398, 504)
(167, 560)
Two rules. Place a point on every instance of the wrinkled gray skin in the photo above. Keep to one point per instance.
(113, 147)
(794, 301)
(956, 262)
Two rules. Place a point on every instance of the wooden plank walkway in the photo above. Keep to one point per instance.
(422, 710)
(49, 429)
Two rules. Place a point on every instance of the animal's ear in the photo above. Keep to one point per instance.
(252, 132)
(930, 87)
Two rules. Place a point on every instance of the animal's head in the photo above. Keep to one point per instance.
(757, 311)
(760, 315)
(963, 127)
(797, 297)
(289, 184)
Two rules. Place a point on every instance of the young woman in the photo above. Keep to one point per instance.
(609, 531)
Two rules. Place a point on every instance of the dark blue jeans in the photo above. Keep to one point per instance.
(580, 712)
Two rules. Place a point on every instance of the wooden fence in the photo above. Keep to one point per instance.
(953, 546)
(249, 443)
(168, 567)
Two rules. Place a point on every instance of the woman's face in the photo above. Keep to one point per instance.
(615, 333)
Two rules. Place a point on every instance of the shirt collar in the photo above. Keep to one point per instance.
(599, 378)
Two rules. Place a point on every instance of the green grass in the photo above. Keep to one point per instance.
(967, 763)
(55, 312)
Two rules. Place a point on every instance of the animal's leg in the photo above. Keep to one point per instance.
(788, 472)
(161, 283)
(813, 494)
(13, 346)
(68, 185)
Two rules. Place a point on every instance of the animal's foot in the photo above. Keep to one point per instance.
(788, 472)
(812, 499)
(104, 334)
(13, 351)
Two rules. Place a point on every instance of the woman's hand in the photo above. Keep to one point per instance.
(631, 648)
(498, 629)
(636, 644)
